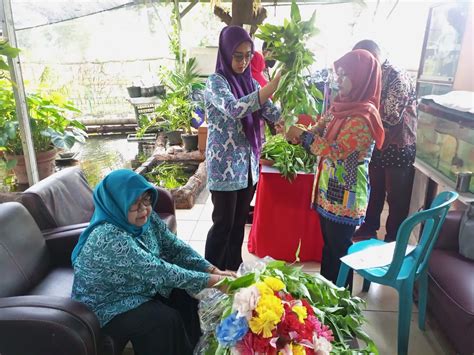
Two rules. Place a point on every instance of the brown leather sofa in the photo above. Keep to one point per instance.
(37, 315)
(451, 287)
(63, 203)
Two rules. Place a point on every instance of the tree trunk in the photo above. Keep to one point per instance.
(242, 12)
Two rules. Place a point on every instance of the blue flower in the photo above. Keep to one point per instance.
(231, 330)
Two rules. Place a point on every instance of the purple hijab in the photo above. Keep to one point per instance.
(241, 84)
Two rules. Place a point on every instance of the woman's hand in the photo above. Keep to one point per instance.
(267, 91)
(280, 127)
(293, 135)
(227, 273)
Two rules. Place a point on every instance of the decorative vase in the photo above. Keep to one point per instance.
(44, 160)
(190, 142)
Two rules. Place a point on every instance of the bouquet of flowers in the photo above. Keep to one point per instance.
(276, 308)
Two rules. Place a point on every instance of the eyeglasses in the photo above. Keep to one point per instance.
(144, 202)
(239, 57)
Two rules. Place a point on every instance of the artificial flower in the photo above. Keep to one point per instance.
(274, 283)
(321, 346)
(301, 312)
(263, 288)
(264, 323)
(245, 301)
(231, 330)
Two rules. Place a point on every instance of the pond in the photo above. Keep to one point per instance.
(99, 156)
(102, 154)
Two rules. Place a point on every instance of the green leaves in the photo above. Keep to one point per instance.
(288, 158)
(49, 121)
(287, 45)
(168, 175)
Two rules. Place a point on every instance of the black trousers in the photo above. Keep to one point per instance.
(226, 236)
(161, 326)
(396, 184)
(337, 239)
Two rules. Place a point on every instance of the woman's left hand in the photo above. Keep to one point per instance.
(293, 135)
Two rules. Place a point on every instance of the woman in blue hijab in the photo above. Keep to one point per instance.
(235, 105)
(133, 272)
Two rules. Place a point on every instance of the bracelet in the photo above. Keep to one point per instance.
(212, 269)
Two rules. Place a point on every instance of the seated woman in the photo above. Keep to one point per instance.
(345, 139)
(135, 274)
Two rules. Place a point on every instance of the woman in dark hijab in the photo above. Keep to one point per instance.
(235, 104)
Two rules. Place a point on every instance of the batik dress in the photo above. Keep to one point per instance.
(343, 189)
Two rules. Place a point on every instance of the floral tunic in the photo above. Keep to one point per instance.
(116, 272)
(228, 152)
(343, 188)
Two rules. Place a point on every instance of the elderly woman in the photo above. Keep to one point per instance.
(235, 106)
(133, 272)
(345, 139)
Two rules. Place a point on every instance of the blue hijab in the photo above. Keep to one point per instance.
(113, 197)
(241, 84)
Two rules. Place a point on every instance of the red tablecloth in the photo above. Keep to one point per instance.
(283, 216)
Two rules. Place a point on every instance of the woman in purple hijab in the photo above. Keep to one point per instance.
(235, 104)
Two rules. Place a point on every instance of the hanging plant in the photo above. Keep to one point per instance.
(287, 45)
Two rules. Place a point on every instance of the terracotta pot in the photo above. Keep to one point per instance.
(46, 165)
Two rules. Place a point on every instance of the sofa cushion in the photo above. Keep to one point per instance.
(58, 282)
(455, 275)
(61, 199)
(24, 258)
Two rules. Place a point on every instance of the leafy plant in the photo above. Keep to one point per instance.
(49, 121)
(287, 46)
(288, 158)
(168, 175)
(176, 110)
(181, 82)
(6, 51)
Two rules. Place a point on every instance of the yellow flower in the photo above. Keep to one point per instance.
(297, 349)
(269, 312)
(274, 283)
(263, 288)
(301, 312)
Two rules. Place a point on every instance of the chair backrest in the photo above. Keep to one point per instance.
(61, 199)
(431, 219)
(24, 257)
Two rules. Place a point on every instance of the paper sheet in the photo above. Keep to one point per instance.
(376, 256)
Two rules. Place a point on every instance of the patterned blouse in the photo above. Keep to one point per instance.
(228, 152)
(343, 187)
(116, 272)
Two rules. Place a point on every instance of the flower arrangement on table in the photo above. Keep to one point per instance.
(279, 309)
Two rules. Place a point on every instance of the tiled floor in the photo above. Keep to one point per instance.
(382, 302)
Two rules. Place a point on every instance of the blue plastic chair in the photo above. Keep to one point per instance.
(404, 270)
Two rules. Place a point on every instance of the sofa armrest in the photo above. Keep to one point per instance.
(61, 242)
(47, 325)
(449, 233)
(165, 202)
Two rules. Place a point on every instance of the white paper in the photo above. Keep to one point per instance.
(376, 256)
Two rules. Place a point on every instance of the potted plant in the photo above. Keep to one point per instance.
(51, 129)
